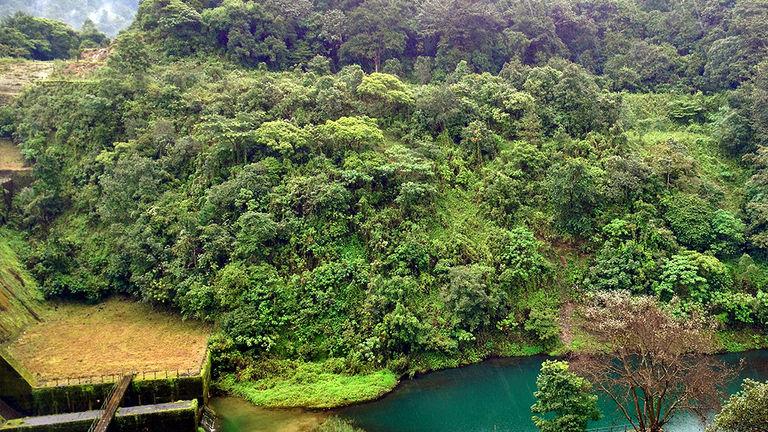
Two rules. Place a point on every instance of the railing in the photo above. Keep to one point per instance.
(110, 404)
(620, 428)
(115, 377)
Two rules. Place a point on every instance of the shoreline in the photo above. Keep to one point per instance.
(401, 379)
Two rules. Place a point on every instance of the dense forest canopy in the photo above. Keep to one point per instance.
(25, 36)
(405, 184)
(637, 45)
(109, 16)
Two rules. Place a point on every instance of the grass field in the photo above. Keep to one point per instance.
(113, 337)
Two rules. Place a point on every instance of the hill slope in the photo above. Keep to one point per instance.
(20, 302)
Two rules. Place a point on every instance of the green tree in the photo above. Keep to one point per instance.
(378, 31)
(23, 35)
(575, 190)
(385, 94)
(281, 137)
(472, 295)
(464, 30)
(690, 218)
(173, 24)
(247, 32)
(745, 411)
(543, 317)
(518, 257)
(728, 233)
(91, 36)
(348, 133)
(692, 275)
(480, 142)
(565, 401)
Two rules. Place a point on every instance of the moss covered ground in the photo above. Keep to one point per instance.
(311, 386)
(20, 302)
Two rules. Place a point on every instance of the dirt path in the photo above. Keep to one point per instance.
(566, 323)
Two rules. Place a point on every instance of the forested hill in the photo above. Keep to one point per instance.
(243, 162)
(637, 45)
(110, 16)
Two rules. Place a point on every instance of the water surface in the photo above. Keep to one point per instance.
(493, 396)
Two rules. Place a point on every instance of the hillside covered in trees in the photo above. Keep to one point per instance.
(28, 37)
(109, 16)
(406, 185)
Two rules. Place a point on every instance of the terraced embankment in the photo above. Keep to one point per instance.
(59, 361)
(115, 337)
(15, 75)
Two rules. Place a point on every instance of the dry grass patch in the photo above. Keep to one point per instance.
(10, 156)
(112, 337)
(15, 75)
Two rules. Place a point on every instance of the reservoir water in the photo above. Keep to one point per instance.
(492, 396)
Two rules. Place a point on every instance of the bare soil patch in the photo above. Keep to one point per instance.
(110, 338)
(10, 156)
(15, 75)
(566, 323)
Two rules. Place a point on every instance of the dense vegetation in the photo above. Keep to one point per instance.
(745, 411)
(110, 16)
(635, 44)
(29, 37)
(244, 162)
(564, 395)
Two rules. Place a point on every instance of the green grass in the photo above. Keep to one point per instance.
(741, 340)
(312, 387)
(20, 301)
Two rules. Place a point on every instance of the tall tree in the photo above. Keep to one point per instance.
(575, 188)
(378, 30)
(655, 365)
(458, 30)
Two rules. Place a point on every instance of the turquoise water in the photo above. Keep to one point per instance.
(493, 396)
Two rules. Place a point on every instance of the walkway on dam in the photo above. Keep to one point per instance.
(90, 416)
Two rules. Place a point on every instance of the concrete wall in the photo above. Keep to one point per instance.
(39, 401)
(15, 389)
(181, 417)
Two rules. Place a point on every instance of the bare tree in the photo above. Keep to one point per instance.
(652, 365)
